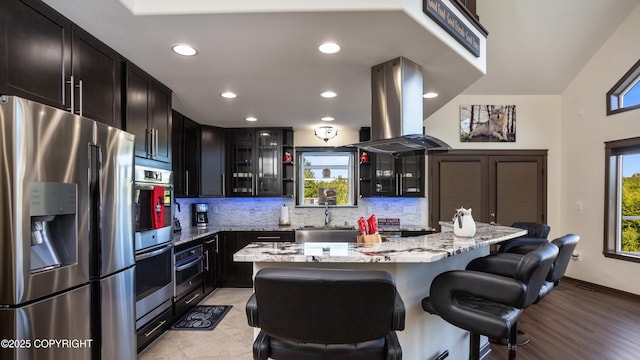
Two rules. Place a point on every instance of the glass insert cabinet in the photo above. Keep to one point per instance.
(255, 167)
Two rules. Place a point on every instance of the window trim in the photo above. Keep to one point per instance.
(612, 185)
(354, 170)
(630, 77)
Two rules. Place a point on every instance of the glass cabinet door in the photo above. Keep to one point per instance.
(411, 177)
(384, 179)
(242, 166)
(269, 143)
(397, 177)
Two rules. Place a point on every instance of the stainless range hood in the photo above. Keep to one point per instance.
(396, 111)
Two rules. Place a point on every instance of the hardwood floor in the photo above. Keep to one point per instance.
(574, 322)
(571, 323)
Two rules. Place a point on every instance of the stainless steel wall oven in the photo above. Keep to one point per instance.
(153, 243)
(189, 270)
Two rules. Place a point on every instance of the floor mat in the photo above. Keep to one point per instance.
(202, 317)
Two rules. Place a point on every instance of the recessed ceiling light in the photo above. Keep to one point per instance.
(228, 95)
(327, 118)
(184, 49)
(251, 118)
(430, 95)
(328, 94)
(329, 48)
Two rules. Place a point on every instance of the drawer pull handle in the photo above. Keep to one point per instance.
(193, 298)
(147, 334)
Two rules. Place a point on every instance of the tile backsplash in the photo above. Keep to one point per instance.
(266, 211)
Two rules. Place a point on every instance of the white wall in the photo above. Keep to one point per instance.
(585, 128)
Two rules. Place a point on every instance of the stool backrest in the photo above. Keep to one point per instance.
(535, 230)
(533, 270)
(325, 306)
(566, 244)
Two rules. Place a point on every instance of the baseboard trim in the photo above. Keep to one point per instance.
(601, 288)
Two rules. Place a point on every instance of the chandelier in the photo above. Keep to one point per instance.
(326, 132)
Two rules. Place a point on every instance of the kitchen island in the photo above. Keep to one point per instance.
(413, 262)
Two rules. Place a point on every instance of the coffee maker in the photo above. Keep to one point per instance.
(199, 215)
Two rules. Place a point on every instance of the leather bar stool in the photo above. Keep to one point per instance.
(506, 264)
(537, 234)
(489, 304)
(325, 314)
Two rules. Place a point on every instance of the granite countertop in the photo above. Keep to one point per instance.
(418, 249)
(190, 233)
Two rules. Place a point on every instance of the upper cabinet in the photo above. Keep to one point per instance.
(148, 117)
(384, 175)
(212, 161)
(255, 165)
(198, 158)
(48, 59)
(401, 177)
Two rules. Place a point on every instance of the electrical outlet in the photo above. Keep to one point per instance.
(576, 255)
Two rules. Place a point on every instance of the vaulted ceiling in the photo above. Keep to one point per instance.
(269, 55)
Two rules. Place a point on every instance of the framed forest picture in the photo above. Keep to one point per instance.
(488, 123)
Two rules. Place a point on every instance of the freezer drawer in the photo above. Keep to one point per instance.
(55, 328)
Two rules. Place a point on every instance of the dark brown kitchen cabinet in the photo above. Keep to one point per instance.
(198, 158)
(240, 274)
(384, 175)
(500, 186)
(211, 260)
(148, 117)
(186, 155)
(212, 161)
(401, 177)
(48, 59)
(231, 273)
(255, 162)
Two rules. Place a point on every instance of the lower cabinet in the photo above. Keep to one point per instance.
(154, 329)
(239, 274)
(211, 255)
(187, 302)
(231, 273)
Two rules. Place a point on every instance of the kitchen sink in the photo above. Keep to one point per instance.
(326, 234)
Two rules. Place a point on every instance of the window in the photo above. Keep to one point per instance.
(622, 207)
(328, 176)
(625, 95)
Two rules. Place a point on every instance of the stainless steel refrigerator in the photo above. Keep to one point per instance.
(66, 236)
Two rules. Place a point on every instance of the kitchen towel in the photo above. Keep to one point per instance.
(157, 207)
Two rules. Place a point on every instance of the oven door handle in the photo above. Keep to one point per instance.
(189, 264)
(153, 253)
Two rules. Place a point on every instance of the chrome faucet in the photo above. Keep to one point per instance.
(327, 216)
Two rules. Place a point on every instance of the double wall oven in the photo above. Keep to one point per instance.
(153, 243)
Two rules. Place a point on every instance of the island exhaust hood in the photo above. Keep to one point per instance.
(396, 111)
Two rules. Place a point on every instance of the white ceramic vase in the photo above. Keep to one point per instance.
(463, 224)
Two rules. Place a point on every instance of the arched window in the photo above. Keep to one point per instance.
(625, 95)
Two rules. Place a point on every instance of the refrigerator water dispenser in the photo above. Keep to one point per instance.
(54, 239)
